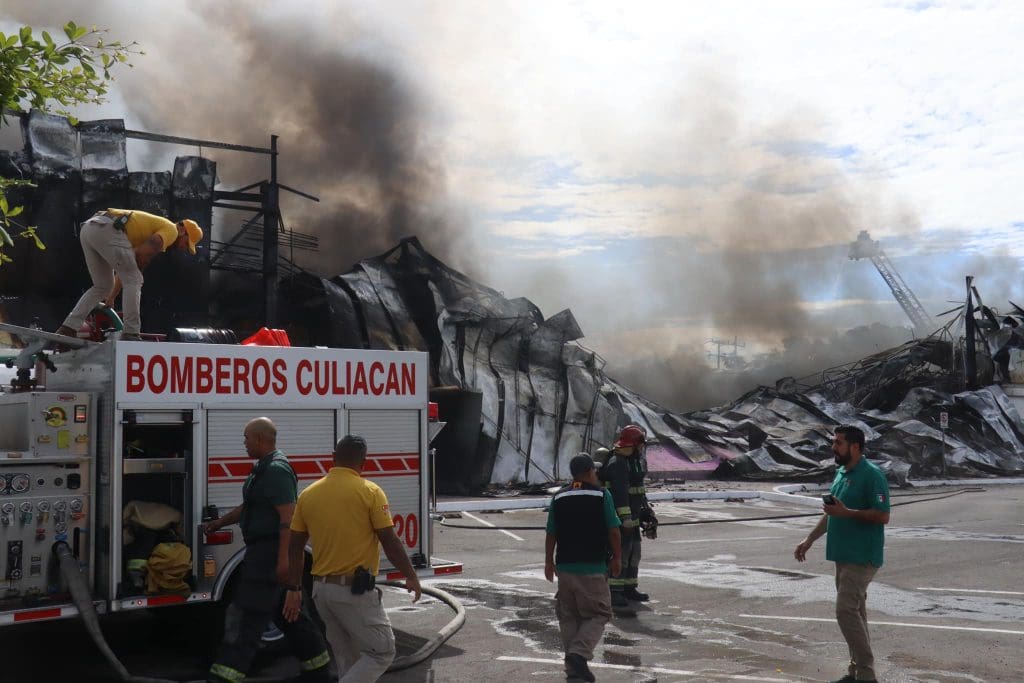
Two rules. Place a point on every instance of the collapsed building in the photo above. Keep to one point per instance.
(520, 393)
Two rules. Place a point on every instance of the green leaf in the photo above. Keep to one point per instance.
(31, 233)
(79, 32)
(25, 33)
(3, 205)
(47, 39)
(69, 30)
(5, 238)
(16, 211)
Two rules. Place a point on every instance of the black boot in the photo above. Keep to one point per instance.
(576, 667)
(619, 599)
(633, 594)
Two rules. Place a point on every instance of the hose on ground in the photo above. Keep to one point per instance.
(444, 522)
(450, 629)
(82, 598)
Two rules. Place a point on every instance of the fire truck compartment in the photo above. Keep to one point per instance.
(156, 449)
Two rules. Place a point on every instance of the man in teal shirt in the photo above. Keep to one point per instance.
(856, 512)
(584, 529)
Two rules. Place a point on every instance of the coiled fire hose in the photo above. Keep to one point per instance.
(80, 595)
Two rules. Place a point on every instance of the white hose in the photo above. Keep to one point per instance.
(450, 629)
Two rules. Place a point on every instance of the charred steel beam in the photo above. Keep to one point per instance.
(174, 139)
(237, 196)
(271, 217)
(970, 366)
(157, 137)
(251, 185)
(237, 207)
(298, 192)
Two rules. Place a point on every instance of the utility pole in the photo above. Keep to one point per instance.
(736, 344)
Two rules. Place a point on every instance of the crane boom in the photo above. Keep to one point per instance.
(865, 247)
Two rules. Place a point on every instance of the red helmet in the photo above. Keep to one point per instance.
(631, 435)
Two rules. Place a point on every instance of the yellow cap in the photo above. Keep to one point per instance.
(195, 234)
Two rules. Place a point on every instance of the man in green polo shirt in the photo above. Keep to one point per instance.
(268, 502)
(855, 518)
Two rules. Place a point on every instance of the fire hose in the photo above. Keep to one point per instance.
(83, 602)
(82, 599)
(657, 525)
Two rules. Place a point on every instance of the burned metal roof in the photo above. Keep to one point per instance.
(543, 396)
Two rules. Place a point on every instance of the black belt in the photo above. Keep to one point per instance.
(119, 222)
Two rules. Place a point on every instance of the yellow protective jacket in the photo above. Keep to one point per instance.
(167, 568)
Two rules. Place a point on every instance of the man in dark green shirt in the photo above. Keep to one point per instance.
(268, 501)
(856, 512)
(584, 529)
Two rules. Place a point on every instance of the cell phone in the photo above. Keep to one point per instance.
(828, 499)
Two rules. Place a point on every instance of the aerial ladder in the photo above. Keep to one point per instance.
(866, 248)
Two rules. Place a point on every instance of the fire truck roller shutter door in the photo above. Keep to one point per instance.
(307, 437)
(393, 462)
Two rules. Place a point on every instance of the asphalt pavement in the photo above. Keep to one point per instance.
(729, 603)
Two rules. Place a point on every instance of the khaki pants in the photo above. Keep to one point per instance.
(107, 250)
(358, 631)
(851, 612)
(583, 605)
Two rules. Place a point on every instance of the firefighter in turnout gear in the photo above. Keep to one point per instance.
(624, 475)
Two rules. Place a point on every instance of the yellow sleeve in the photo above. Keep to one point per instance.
(150, 224)
(380, 513)
(298, 523)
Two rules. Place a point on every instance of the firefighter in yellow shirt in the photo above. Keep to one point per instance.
(118, 244)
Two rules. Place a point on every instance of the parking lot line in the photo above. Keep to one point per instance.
(726, 540)
(486, 523)
(872, 622)
(969, 590)
(704, 675)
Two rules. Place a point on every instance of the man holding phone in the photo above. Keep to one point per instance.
(856, 512)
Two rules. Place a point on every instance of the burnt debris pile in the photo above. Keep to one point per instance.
(521, 394)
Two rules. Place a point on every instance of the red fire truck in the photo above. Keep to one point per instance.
(114, 426)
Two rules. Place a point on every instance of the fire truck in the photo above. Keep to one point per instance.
(93, 433)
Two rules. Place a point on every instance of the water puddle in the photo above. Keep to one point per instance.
(721, 572)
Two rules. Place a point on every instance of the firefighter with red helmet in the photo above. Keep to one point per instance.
(624, 476)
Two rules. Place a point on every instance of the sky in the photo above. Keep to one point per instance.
(669, 171)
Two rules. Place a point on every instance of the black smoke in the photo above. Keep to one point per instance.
(351, 124)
